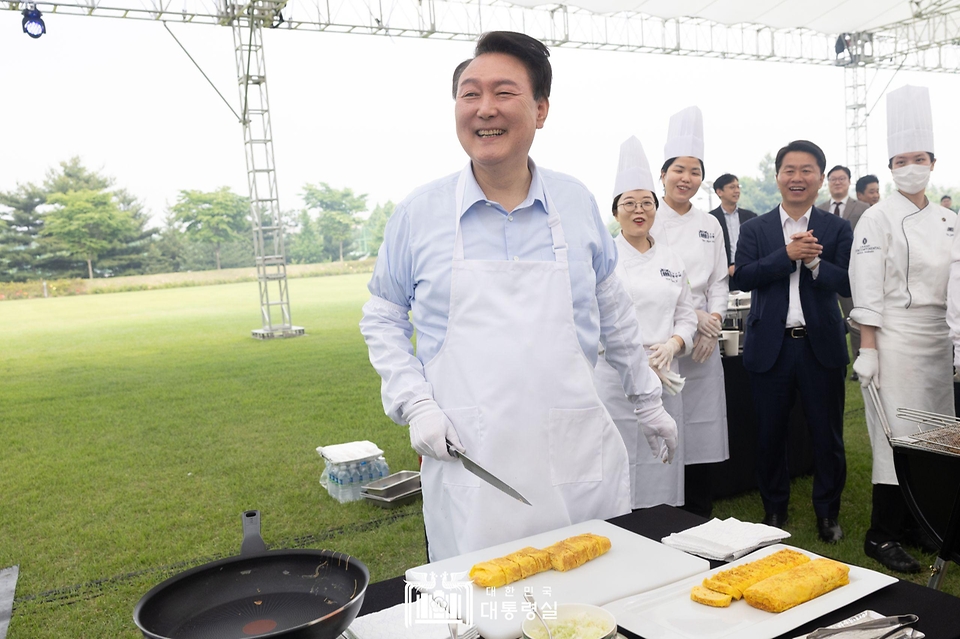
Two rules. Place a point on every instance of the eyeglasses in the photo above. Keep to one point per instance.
(631, 206)
(838, 180)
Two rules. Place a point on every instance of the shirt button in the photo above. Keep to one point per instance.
(516, 258)
(488, 204)
(510, 218)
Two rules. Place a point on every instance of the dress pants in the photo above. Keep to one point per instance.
(821, 392)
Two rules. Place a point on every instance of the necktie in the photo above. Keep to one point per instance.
(836, 208)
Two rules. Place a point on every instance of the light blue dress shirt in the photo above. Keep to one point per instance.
(413, 273)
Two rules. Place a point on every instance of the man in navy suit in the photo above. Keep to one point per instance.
(794, 259)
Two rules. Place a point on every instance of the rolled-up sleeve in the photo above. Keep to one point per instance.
(386, 325)
(623, 344)
(867, 268)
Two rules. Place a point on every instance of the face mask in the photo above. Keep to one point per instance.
(911, 179)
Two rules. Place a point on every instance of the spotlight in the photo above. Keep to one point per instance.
(32, 22)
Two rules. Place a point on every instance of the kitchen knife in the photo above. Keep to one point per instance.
(900, 622)
(485, 475)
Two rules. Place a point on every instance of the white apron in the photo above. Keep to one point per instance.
(916, 371)
(899, 269)
(653, 482)
(698, 239)
(513, 379)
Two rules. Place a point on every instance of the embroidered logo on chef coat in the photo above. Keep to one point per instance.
(949, 231)
(671, 276)
(707, 236)
(866, 248)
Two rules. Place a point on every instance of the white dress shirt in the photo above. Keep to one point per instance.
(733, 229)
(843, 207)
(792, 227)
(413, 271)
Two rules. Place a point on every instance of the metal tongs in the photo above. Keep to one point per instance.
(874, 393)
(894, 623)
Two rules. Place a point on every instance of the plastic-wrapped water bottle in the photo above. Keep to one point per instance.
(382, 469)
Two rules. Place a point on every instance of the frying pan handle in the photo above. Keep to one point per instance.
(252, 541)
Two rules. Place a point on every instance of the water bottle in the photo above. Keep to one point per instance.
(352, 483)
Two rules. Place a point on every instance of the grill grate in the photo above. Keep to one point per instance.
(942, 436)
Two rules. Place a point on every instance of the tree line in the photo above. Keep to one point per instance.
(77, 223)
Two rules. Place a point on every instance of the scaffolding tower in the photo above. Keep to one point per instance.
(247, 22)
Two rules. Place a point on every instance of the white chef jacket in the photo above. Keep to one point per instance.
(657, 283)
(698, 239)
(413, 269)
(890, 271)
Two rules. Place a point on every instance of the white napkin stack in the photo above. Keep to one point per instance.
(725, 540)
(390, 624)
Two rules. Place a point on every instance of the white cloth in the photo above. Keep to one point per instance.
(724, 539)
(413, 273)
(685, 134)
(953, 299)
(657, 284)
(633, 171)
(733, 229)
(909, 121)
(898, 275)
(791, 227)
(698, 239)
(392, 624)
(526, 411)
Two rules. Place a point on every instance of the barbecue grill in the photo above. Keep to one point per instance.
(928, 469)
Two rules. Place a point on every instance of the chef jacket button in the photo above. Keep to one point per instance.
(516, 258)
(510, 217)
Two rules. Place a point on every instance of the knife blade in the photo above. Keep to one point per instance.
(486, 475)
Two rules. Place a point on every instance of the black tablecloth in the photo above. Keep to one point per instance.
(738, 474)
(939, 613)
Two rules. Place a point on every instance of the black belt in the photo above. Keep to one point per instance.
(796, 332)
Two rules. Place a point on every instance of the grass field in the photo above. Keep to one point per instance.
(136, 427)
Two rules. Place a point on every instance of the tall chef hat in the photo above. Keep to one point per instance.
(633, 172)
(685, 134)
(909, 121)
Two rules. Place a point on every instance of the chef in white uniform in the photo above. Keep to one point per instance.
(508, 271)
(697, 238)
(898, 276)
(655, 279)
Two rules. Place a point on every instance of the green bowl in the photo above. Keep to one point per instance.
(571, 611)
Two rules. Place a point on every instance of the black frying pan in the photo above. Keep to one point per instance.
(298, 594)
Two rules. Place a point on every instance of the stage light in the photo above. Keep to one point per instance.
(32, 22)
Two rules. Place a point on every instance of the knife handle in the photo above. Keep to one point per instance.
(453, 451)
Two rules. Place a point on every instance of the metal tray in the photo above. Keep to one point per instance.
(393, 485)
(393, 502)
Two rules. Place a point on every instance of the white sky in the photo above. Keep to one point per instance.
(375, 114)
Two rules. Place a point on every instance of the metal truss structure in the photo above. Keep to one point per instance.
(928, 41)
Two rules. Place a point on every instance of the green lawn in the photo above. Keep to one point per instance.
(136, 427)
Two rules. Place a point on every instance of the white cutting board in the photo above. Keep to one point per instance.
(634, 564)
(669, 613)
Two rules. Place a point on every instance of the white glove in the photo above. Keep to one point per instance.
(703, 347)
(708, 325)
(430, 430)
(672, 382)
(656, 424)
(867, 367)
(661, 355)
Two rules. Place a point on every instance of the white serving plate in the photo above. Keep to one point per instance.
(633, 564)
(669, 613)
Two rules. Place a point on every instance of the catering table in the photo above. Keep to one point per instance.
(939, 612)
(738, 474)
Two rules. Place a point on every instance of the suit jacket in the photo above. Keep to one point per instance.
(763, 267)
(852, 209)
(743, 214)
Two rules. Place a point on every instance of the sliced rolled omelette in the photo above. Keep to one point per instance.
(563, 555)
(797, 585)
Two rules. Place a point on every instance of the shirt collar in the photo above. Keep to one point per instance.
(726, 212)
(472, 193)
(784, 217)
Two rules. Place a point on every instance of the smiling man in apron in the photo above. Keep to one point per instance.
(508, 271)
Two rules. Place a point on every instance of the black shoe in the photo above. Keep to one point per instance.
(829, 530)
(854, 377)
(777, 520)
(920, 538)
(892, 556)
